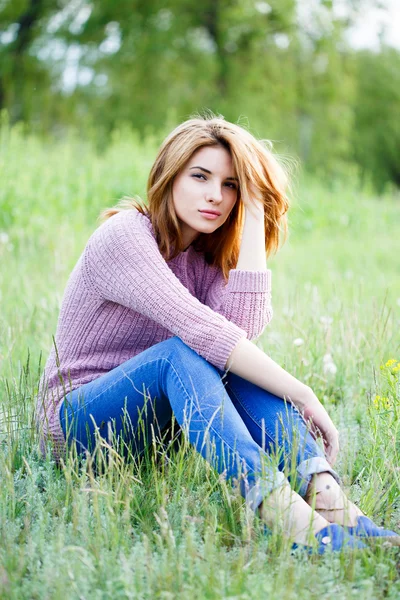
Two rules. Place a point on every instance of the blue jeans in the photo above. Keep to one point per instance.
(242, 430)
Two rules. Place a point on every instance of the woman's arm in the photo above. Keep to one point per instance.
(252, 255)
(123, 264)
(246, 298)
(251, 363)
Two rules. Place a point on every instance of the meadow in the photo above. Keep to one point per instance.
(168, 526)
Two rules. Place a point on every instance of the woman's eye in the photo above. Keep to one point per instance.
(229, 184)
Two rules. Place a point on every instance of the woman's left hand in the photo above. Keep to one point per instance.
(254, 201)
(321, 425)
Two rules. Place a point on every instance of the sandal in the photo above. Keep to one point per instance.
(332, 538)
(366, 528)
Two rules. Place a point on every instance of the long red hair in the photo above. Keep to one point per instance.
(254, 164)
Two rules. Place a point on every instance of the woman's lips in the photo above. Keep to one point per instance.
(209, 215)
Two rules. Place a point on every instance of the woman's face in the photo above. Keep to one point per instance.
(206, 183)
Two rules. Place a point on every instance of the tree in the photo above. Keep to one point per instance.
(376, 144)
(22, 75)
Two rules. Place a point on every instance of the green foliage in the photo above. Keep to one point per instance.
(97, 65)
(168, 526)
(377, 123)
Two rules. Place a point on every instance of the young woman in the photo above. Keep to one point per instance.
(157, 319)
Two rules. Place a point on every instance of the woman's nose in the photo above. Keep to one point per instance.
(215, 194)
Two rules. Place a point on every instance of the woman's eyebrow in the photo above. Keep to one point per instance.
(210, 173)
(202, 169)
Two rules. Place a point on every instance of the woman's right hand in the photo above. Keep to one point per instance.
(322, 426)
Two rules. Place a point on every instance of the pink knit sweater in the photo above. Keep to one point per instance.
(122, 297)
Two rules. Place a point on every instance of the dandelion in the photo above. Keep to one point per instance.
(298, 342)
(329, 367)
(326, 321)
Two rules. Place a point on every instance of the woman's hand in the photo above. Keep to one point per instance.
(252, 255)
(321, 426)
(253, 201)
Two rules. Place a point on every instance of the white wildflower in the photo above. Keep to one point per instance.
(298, 342)
(329, 367)
(263, 8)
(4, 237)
(326, 321)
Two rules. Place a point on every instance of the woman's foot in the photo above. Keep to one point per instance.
(329, 500)
(331, 503)
(299, 522)
(293, 516)
(368, 530)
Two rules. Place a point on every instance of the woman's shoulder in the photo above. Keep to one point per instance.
(129, 216)
(125, 236)
(125, 221)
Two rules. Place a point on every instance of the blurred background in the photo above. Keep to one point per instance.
(321, 78)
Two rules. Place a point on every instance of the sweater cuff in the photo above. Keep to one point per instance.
(249, 281)
(224, 344)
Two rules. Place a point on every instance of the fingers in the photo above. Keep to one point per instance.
(320, 425)
(253, 201)
(255, 209)
(331, 456)
(332, 449)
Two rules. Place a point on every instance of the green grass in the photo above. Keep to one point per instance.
(168, 527)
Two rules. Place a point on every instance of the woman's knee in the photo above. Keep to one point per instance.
(175, 347)
(172, 343)
(175, 342)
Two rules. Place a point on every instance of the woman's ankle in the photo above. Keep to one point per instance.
(328, 499)
(286, 511)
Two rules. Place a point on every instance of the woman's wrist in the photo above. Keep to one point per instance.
(304, 398)
(252, 255)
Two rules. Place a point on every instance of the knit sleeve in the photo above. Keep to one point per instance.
(124, 265)
(244, 300)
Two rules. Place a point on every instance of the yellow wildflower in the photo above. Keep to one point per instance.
(390, 362)
(386, 403)
(382, 402)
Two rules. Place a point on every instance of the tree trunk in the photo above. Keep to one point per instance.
(26, 22)
(211, 21)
